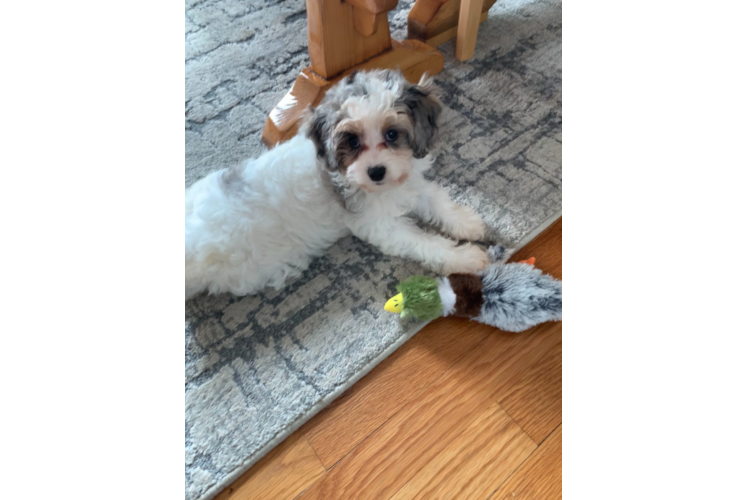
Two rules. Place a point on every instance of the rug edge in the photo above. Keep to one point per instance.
(322, 403)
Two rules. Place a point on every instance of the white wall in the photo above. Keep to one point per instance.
(569, 175)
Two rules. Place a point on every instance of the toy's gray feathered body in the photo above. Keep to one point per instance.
(512, 297)
(517, 296)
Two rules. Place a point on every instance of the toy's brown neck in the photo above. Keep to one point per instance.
(469, 291)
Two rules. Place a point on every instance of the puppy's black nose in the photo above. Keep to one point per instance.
(377, 173)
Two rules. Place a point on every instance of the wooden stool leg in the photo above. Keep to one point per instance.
(467, 28)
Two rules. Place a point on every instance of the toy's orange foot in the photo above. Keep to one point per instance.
(530, 261)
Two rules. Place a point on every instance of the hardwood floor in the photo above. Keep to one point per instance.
(461, 410)
(337, 429)
(534, 402)
(539, 476)
(283, 473)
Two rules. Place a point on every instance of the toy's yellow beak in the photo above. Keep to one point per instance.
(395, 304)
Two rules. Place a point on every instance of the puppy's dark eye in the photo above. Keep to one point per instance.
(391, 135)
(353, 142)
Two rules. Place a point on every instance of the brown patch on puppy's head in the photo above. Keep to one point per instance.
(423, 107)
(318, 126)
(346, 143)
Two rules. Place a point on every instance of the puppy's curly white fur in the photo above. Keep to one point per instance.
(356, 167)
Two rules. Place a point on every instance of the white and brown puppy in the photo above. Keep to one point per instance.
(356, 167)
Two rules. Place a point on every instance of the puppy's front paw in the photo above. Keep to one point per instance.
(466, 259)
(469, 226)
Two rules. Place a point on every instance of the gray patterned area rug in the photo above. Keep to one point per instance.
(258, 367)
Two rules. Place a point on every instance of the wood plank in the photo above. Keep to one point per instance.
(467, 28)
(335, 45)
(337, 429)
(365, 22)
(446, 36)
(281, 474)
(475, 463)
(539, 477)
(420, 16)
(534, 402)
(546, 248)
(373, 6)
(379, 466)
(429, 19)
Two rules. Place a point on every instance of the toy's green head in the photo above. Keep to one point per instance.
(418, 297)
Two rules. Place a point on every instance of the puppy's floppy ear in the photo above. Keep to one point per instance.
(424, 108)
(315, 125)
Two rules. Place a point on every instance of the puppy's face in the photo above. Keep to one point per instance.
(372, 145)
(371, 125)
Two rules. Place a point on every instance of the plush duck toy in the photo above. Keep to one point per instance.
(512, 297)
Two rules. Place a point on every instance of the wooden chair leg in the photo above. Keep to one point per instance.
(467, 28)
